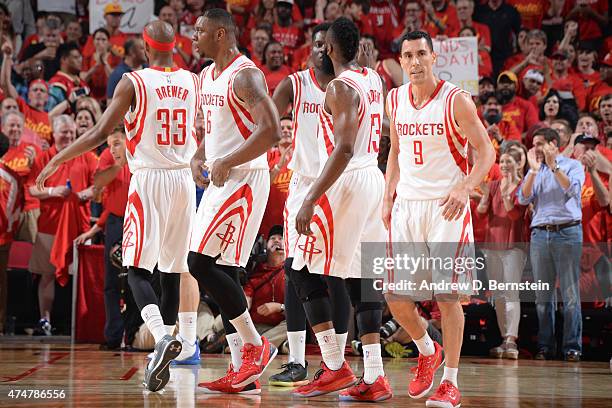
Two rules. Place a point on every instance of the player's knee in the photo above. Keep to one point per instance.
(198, 264)
(137, 276)
(369, 317)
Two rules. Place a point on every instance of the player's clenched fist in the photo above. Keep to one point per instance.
(219, 172)
(197, 170)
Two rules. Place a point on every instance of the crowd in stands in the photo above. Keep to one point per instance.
(544, 96)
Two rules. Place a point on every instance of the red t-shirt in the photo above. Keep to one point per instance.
(117, 51)
(290, 37)
(273, 78)
(97, 81)
(279, 188)
(300, 58)
(384, 19)
(115, 193)
(485, 64)
(595, 93)
(588, 80)
(574, 84)
(185, 44)
(79, 171)
(589, 29)
(504, 227)
(521, 112)
(483, 33)
(532, 11)
(593, 214)
(448, 17)
(16, 159)
(266, 284)
(11, 203)
(35, 120)
(69, 83)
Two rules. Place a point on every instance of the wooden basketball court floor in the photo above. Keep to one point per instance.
(87, 377)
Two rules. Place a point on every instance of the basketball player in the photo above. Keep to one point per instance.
(159, 106)
(431, 123)
(338, 213)
(304, 90)
(241, 125)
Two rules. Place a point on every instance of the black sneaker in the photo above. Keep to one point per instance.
(43, 328)
(572, 356)
(543, 355)
(293, 375)
(157, 373)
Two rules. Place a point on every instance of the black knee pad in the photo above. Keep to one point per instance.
(369, 319)
(362, 291)
(308, 286)
(140, 285)
(318, 310)
(170, 297)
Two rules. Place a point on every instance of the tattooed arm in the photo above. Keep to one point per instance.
(250, 88)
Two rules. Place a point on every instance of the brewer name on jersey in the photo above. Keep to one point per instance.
(171, 91)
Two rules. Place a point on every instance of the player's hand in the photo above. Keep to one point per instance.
(197, 168)
(532, 160)
(387, 207)
(304, 216)
(269, 308)
(49, 169)
(219, 172)
(454, 203)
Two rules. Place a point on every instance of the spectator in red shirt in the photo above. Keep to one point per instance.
(113, 175)
(183, 49)
(499, 129)
(67, 79)
(442, 15)
(385, 20)
(280, 176)
(274, 68)
(36, 119)
(592, 16)
(47, 49)
(74, 33)
(562, 80)
(506, 257)
(414, 20)
(285, 31)
(260, 36)
(465, 12)
(602, 87)
(265, 290)
(389, 69)
(485, 65)
(515, 109)
(96, 68)
(73, 177)
(532, 11)
(332, 11)
(585, 65)
(358, 12)
(112, 16)
(605, 113)
(532, 87)
(536, 43)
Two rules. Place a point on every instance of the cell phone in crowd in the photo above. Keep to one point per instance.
(81, 92)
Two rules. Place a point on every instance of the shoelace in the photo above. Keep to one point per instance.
(443, 389)
(248, 355)
(421, 364)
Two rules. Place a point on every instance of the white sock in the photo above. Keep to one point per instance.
(425, 345)
(341, 339)
(297, 347)
(245, 327)
(187, 326)
(372, 363)
(235, 344)
(152, 318)
(450, 374)
(328, 343)
(169, 329)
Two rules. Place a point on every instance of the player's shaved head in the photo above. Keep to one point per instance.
(160, 31)
(220, 18)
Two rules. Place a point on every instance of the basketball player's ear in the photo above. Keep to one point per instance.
(434, 57)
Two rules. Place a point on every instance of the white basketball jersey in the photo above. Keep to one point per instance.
(161, 128)
(368, 85)
(432, 152)
(227, 122)
(307, 101)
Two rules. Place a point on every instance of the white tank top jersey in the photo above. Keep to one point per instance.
(161, 128)
(307, 101)
(227, 122)
(432, 152)
(369, 86)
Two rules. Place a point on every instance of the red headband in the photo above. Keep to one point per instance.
(156, 45)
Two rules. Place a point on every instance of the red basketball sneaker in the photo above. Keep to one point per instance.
(255, 359)
(424, 372)
(379, 390)
(326, 380)
(224, 385)
(446, 396)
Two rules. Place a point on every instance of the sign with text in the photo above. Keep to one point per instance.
(458, 62)
(137, 14)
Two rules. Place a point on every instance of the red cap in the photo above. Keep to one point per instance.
(607, 60)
